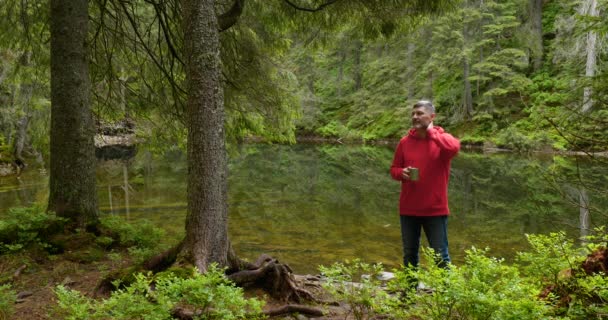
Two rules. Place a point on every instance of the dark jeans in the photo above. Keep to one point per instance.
(436, 230)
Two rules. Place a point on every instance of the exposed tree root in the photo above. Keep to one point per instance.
(187, 314)
(274, 277)
(155, 264)
(14, 277)
(294, 308)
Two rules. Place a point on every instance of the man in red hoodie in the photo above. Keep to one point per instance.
(423, 203)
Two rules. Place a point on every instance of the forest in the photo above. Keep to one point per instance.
(205, 77)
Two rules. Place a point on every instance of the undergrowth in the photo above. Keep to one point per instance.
(211, 295)
(546, 282)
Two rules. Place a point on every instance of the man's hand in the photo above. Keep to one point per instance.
(405, 174)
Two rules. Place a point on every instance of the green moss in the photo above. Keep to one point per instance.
(175, 271)
(87, 255)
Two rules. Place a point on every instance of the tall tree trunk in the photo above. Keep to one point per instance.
(410, 71)
(207, 219)
(536, 22)
(21, 138)
(23, 100)
(340, 77)
(358, 72)
(467, 95)
(583, 200)
(72, 177)
(589, 7)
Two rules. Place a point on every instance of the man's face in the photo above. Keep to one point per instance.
(421, 118)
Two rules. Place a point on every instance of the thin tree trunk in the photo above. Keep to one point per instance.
(583, 200)
(207, 219)
(72, 177)
(22, 102)
(589, 7)
(358, 72)
(481, 56)
(410, 71)
(467, 96)
(536, 18)
(340, 77)
(125, 179)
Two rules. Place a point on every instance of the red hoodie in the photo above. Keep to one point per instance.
(432, 156)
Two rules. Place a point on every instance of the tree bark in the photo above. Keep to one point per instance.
(536, 21)
(340, 77)
(589, 7)
(206, 239)
(583, 200)
(410, 71)
(72, 175)
(467, 95)
(357, 65)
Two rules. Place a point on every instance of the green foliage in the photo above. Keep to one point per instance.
(472, 140)
(549, 256)
(513, 139)
(23, 227)
(482, 288)
(211, 294)
(7, 301)
(335, 129)
(72, 305)
(555, 265)
(142, 238)
(357, 284)
(142, 234)
(547, 282)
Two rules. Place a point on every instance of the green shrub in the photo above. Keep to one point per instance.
(472, 140)
(357, 284)
(335, 129)
(71, 305)
(142, 235)
(513, 139)
(7, 301)
(211, 294)
(550, 255)
(23, 227)
(482, 288)
(554, 264)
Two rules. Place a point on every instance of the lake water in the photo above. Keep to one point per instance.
(311, 204)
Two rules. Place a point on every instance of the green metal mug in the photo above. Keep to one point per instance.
(414, 174)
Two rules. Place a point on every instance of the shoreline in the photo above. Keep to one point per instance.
(469, 147)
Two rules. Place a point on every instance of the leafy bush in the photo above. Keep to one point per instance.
(142, 234)
(25, 226)
(338, 130)
(513, 139)
(357, 284)
(472, 140)
(483, 288)
(211, 294)
(554, 263)
(7, 301)
(142, 238)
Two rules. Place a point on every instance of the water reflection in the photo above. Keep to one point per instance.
(317, 204)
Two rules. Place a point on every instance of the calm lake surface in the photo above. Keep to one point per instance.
(311, 204)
